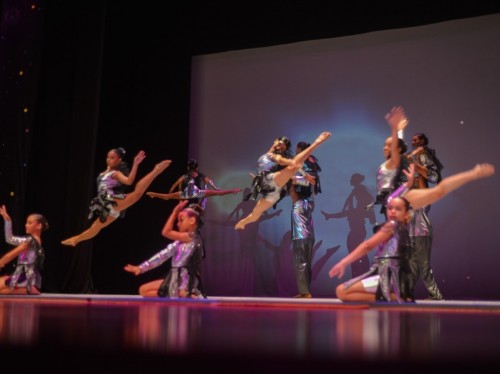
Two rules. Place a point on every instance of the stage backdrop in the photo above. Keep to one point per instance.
(446, 77)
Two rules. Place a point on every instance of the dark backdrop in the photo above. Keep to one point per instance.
(79, 78)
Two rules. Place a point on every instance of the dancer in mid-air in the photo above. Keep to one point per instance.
(111, 202)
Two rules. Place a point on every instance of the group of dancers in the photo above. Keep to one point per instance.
(391, 276)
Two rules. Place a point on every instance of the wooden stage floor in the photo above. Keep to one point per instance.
(117, 334)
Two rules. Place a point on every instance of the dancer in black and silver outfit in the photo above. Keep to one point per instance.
(26, 278)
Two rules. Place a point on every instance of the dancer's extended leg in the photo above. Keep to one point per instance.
(121, 205)
(141, 186)
(419, 198)
(281, 178)
(210, 193)
(261, 206)
(92, 231)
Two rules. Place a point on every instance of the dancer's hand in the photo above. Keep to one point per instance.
(136, 270)
(182, 204)
(311, 179)
(4, 214)
(139, 157)
(410, 175)
(483, 170)
(337, 270)
(397, 118)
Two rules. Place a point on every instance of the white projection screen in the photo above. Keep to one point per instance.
(446, 76)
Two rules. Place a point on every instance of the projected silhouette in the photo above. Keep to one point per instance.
(355, 211)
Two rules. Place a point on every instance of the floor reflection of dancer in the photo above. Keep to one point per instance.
(26, 278)
(355, 211)
(271, 181)
(184, 277)
(193, 186)
(109, 205)
(384, 279)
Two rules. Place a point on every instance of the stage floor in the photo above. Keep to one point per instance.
(117, 333)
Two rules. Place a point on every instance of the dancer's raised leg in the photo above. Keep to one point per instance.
(210, 193)
(419, 198)
(92, 231)
(281, 177)
(141, 186)
(261, 206)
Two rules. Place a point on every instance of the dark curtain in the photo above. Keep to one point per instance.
(101, 82)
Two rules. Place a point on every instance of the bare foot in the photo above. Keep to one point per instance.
(323, 137)
(483, 170)
(70, 242)
(33, 291)
(161, 166)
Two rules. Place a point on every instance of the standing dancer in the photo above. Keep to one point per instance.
(427, 171)
(389, 173)
(302, 194)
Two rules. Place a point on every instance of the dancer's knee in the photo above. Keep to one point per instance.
(340, 292)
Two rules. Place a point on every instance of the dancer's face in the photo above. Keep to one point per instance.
(185, 223)
(387, 147)
(32, 225)
(279, 146)
(416, 141)
(113, 160)
(397, 210)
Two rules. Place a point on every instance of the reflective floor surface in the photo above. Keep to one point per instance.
(108, 334)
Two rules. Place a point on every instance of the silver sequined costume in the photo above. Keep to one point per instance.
(193, 188)
(390, 264)
(185, 268)
(263, 183)
(29, 263)
(102, 205)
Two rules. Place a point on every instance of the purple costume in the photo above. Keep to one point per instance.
(107, 191)
(185, 269)
(29, 263)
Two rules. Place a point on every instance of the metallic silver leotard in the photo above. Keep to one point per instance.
(102, 205)
(181, 254)
(387, 262)
(385, 178)
(26, 273)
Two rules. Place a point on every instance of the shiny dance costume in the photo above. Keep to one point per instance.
(387, 181)
(303, 225)
(389, 271)
(193, 188)
(263, 183)
(303, 242)
(419, 261)
(107, 191)
(185, 269)
(29, 263)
